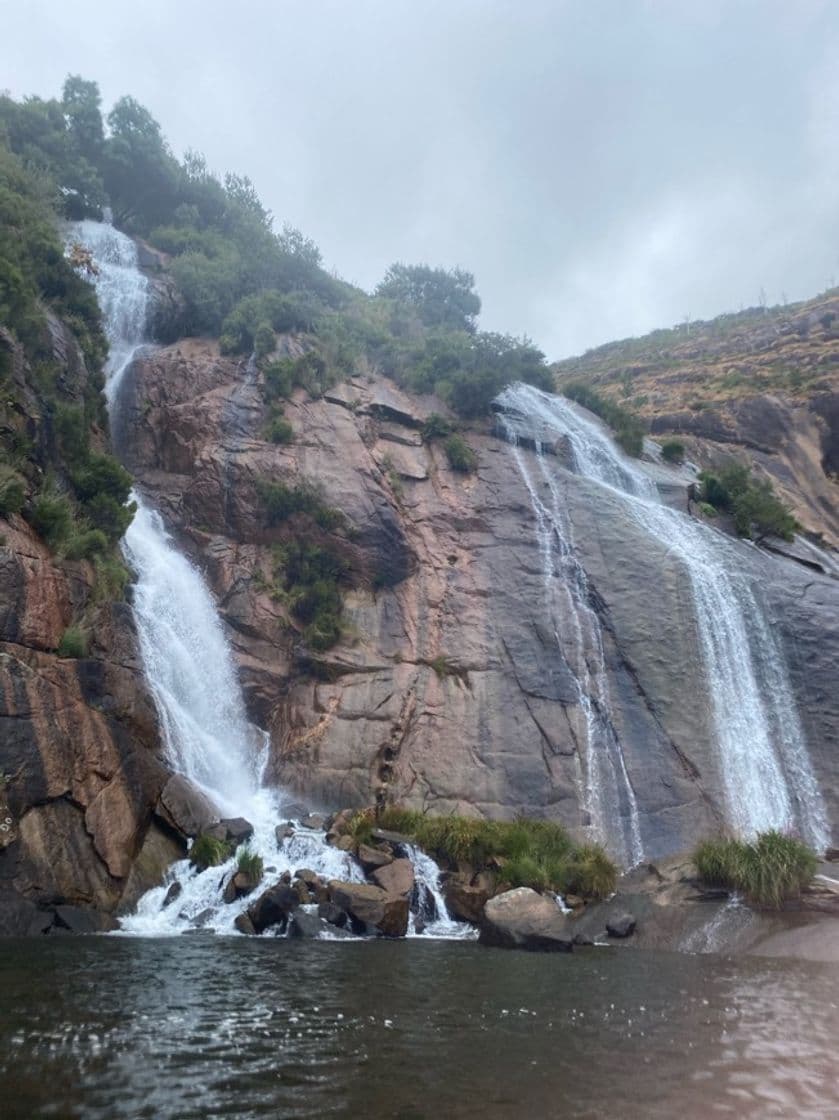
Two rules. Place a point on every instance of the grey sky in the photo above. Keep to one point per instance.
(602, 166)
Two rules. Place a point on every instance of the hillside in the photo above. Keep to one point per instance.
(761, 385)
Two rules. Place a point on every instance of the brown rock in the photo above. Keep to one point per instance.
(373, 858)
(185, 807)
(371, 908)
(396, 878)
(463, 901)
(523, 919)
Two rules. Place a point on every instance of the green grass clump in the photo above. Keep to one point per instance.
(527, 853)
(207, 851)
(673, 451)
(73, 643)
(361, 826)
(250, 864)
(768, 870)
(460, 455)
(86, 545)
(12, 491)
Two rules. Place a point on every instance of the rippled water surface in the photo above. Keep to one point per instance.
(202, 1027)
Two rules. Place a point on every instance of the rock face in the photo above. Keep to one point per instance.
(523, 919)
(81, 772)
(447, 691)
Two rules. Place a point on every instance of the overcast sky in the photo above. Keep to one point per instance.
(604, 167)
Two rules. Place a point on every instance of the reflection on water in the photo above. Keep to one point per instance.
(233, 1028)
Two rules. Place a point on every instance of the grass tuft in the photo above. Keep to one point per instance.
(768, 870)
(207, 851)
(250, 864)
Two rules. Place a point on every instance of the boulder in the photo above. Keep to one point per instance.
(185, 807)
(78, 919)
(622, 925)
(384, 835)
(464, 902)
(314, 821)
(232, 830)
(333, 914)
(273, 907)
(305, 925)
(283, 832)
(243, 924)
(371, 908)
(373, 858)
(396, 878)
(337, 824)
(172, 893)
(238, 886)
(524, 919)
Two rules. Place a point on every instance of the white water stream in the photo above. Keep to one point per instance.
(192, 675)
(763, 762)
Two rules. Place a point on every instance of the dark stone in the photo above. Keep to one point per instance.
(238, 885)
(76, 919)
(371, 859)
(623, 925)
(583, 939)
(383, 835)
(465, 903)
(173, 893)
(314, 821)
(273, 907)
(283, 832)
(200, 920)
(333, 914)
(371, 908)
(304, 925)
(243, 924)
(234, 830)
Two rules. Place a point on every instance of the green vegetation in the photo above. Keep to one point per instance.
(460, 455)
(281, 502)
(673, 451)
(73, 643)
(278, 429)
(629, 429)
(768, 870)
(12, 491)
(207, 851)
(436, 427)
(524, 852)
(312, 575)
(757, 512)
(250, 864)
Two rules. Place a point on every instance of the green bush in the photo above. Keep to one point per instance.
(758, 512)
(436, 427)
(264, 341)
(207, 851)
(52, 517)
(460, 455)
(12, 491)
(629, 429)
(281, 502)
(768, 870)
(673, 451)
(86, 545)
(279, 430)
(73, 643)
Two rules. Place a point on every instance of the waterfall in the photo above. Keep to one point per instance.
(191, 672)
(764, 766)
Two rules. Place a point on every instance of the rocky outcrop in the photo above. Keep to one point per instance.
(523, 919)
(448, 692)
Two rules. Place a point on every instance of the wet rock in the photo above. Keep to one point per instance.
(622, 925)
(524, 919)
(283, 832)
(302, 891)
(239, 885)
(314, 821)
(233, 831)
(172, 893)
(333, 914)
(243, 923)
(384, 835)
(201, 920)
(396, 878)
(345, 843)
(77, 919)
(273, 907)
(373, 858)
(185, 807)
(337, 824)
(371, 908)
(309, 877)
(305, 925)
(584, 939)
(465, 902)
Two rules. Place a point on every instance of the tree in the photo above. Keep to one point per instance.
(81, 102)
(440, 297)
(141, 174)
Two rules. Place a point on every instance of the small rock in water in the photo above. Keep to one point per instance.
(243, 924)
(333, 914)
(284, 832)
(313, 820)
(173, 893)
(621, 926)
(232, 830)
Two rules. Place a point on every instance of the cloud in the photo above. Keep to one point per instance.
(603, 167)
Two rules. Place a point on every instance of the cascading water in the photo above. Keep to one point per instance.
(763, 761)
(191, 672)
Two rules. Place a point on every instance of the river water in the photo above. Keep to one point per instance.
(195, 1027)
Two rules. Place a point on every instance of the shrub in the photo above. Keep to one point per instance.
(250, 864)
(281, 502)
(73, 643)
(436, 427)
(52, 517)
(84, 546)
(673, 451)
(460, 455)
(758, 512)
(768, 870)
(207, 851)
(263, 341)
(12, 491)
(628, 428)
(279, 430)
